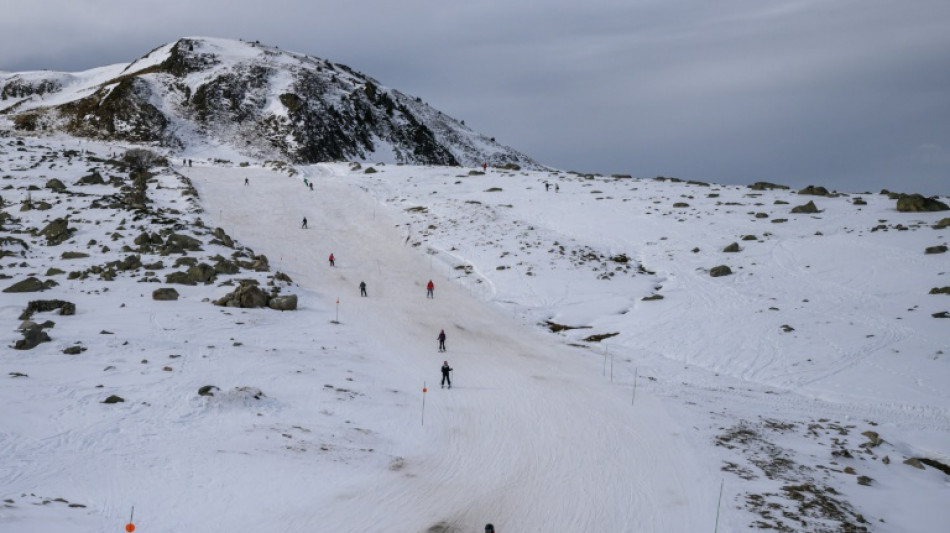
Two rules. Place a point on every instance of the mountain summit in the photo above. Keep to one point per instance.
(259, 100)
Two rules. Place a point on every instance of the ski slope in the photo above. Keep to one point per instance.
(532, 435)
(319, 420)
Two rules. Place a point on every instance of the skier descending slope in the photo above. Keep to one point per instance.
(445, 374)
(441, 338)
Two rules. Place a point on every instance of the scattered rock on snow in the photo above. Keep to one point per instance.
(916, 203)
(56, 231)
(808, 208)
(764, 185)
(56, 185)
(113, 399)
(30, 284)
(207, 390)
(936, 249)
(247, 295)
(732, 248)
(165, 294)
(815, 191)
(721, 270)
(283, 303)
(43, 306)
(32, 337)
(180, 278)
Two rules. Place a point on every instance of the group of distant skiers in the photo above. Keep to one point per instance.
(430, 293)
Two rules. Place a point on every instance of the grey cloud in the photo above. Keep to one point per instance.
(851, 94)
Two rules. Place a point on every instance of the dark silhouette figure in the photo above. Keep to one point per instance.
(246, 182)
(445, 374)
(332, 260)
(430, 287)
(442, 341)
(362, 288)
(489, 528)
(304, 225)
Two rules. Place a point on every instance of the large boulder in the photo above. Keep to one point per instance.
(177, 243)
(247, 295)
(179, 278)
(202, 273)
(916, 203)
(226, 267)
(94, 178)
(56, 231)
(42, 306)
(283, 303)
(30, 284)
(223, 238)
(936, 249)
(56, 185)
(32, 336)
(166, 294)
(815, 191)
(721, 270)
(808, 208)
(732, 248)
(764, 185)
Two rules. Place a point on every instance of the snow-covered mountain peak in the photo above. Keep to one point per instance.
(259, 100)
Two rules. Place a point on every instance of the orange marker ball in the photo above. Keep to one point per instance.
(130, 527)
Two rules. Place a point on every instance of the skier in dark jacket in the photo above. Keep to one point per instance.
(362, 288)
(304, 225)
(442, 341)
(445, 374)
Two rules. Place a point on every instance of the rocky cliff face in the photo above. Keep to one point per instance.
(261, 101)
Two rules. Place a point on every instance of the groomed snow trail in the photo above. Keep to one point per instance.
(501, 446)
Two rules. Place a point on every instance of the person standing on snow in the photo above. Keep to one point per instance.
(445, 374)
(304, 225)
(429, 288)
(489, 528)
(246, 182)
(332, 261)
(441, 338)
(362, 288)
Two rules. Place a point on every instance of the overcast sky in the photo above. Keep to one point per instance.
(850, 94)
